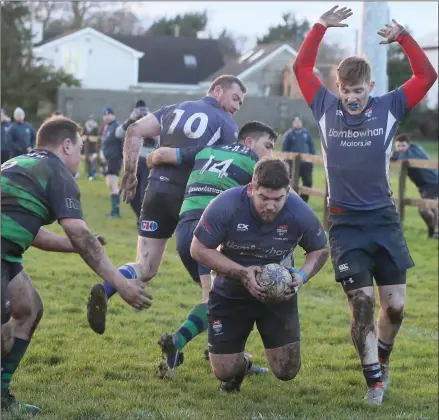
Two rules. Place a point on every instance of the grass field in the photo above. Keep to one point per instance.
(72, 373)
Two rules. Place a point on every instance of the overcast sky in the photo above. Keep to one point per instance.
(252, 19)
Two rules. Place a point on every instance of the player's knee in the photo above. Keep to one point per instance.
(288, 371)
(225, 372)
(363, 306)
(395, 312)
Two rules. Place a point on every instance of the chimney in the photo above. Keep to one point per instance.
(202, 35)
(176, 31)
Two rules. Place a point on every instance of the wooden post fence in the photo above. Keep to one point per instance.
(400, 202)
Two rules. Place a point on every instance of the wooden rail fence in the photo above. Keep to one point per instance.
(401, 201)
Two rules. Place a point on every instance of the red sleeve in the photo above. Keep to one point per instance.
(424, 74)
(305, 61)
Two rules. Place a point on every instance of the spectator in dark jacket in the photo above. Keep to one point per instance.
(21, 135)
(149, 144)
(298, 140)
(424, 178)
(113, 154)
(5, 150)
(91, 146)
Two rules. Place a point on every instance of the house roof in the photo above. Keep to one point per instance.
(253, 59)
(163, 58)
(56, 38)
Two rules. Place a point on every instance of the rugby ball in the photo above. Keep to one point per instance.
(274, 279)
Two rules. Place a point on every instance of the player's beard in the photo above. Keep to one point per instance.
(267, 216)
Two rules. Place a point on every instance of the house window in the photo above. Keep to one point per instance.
(190, 61)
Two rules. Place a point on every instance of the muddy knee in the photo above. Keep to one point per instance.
(363, 307)
(395, 313)
(28, 313)
(289, 371)
(226, 370)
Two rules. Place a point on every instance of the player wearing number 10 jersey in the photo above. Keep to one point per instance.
(205, 122)
(216, 169)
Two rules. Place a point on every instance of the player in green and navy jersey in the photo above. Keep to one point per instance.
(215, 169)
(36, 190)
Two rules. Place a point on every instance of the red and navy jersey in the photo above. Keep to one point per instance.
(356, 149)
(187, 125)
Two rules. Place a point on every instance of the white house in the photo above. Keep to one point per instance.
(429, 44)
(262, 69)
(97, 60)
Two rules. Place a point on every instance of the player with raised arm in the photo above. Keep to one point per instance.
(215, 169)
(256, 225)
(356, 132)
(37, 189)
(205, 122)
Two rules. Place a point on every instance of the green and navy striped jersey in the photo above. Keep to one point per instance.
(36, 190)
(216, 169)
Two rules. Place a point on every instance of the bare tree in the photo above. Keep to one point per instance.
(43, 11)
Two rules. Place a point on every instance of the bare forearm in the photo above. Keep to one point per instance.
(314, 262)
(92, 252)
(216, 261)
(131, 148)
(48, 241)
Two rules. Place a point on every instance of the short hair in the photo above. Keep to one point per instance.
(271, 173)
(226, 81)
(256, 129)
(402, 137)
(354, 70)
(55, 130)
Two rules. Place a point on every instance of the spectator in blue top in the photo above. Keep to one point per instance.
(298, 140)
(425, 179)
(21, 135)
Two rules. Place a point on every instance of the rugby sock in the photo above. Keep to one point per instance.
(11, 361)
(115, 204)
(195, 324)
(384, 351)
(372, 374)
(127, 271)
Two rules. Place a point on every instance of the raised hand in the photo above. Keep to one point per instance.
(333, 17)
(391, 32)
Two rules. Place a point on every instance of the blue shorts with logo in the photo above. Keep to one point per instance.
(184, 235)
(368, 241)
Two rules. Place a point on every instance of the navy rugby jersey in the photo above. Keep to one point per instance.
(230, 221)
(189, 124)
(356, 148)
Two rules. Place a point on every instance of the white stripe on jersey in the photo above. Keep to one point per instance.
(391, 121)
(322, 124)
(215, 137)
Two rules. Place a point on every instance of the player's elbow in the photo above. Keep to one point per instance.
(196, 250)
(76, 230)
(133, 130)
(433, 77)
